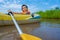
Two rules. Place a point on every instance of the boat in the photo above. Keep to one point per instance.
(16, 16)
(21, 19)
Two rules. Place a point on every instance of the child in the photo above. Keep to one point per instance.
(25, 9)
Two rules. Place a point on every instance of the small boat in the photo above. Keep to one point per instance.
(17, 17)
(21, 19)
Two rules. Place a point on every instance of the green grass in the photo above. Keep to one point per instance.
(51, 14)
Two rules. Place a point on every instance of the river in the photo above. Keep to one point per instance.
(47, 29)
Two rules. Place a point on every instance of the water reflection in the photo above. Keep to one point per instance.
(10, 32)
(47, 30)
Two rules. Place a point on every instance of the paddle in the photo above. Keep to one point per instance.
(23, 35)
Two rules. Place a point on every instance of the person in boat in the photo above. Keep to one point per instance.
(24, 9)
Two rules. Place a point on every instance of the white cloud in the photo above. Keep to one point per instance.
(33, 8)
(7, 3)
(54, 6)
(1, 0)
(45, 3)
(16, 1)
(11, 6)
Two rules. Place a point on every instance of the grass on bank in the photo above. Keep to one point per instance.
(50, 14)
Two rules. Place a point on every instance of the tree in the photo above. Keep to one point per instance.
(57, 8)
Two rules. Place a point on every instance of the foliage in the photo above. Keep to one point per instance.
(55, 13)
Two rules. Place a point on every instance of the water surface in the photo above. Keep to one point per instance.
(46, 29)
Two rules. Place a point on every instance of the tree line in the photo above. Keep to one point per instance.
(51, 14)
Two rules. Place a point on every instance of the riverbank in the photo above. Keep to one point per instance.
(50, 14)
(50, 20)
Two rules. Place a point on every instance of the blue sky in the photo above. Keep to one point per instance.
(34, 5)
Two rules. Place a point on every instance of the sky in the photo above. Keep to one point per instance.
(33, 5)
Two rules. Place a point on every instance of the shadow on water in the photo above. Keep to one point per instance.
(47, 30)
